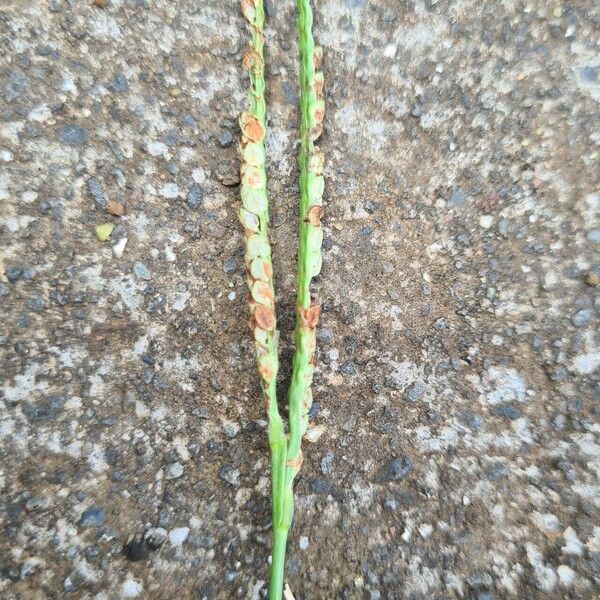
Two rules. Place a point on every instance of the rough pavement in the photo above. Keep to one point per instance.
(454, 449)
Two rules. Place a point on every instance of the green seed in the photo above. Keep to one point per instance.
(260, 269)
(254, 154)
(316, 187)
(254, 200)
(249, 220)
(257, 245)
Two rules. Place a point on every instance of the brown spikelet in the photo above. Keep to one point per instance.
(309, 317)
(314, 214)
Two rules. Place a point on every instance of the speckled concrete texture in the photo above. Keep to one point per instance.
(454, 445)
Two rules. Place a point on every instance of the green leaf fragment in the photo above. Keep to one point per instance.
(103, 231)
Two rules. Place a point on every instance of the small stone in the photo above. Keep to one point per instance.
(230, 474)
(547, 522)
(131, 588)
(141, 271)
(72, 135)
(313, 434)
(229, 265)
(506, 411)
(174, 92)
(103, 231)
(114, 208)
(480, 580)
(319, 486)
(414, 392)
(231, 429)
(566, 575)
(119, 247)
(457, 197)
(170, 191)
(45, 410)
(119, 83)
(137, 550)
(390, 51)
(397, 469)
(324, 335)
(202, 540)
(155, 537)
(425, 530)
(592, 278)
(589, 74)
(16, 83)
(35, 303)
(326, 463)
(178, 535)
(390, 504)
(95, 189)
(14, 273)
(495, 471)
(174, 470)
(581, 317)
(225, 139)
(93, 517)
(194, 197)
(101, 3)
(440, 324)
(349, 368)
(303, 542)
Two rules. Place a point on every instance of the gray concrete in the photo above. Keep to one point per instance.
(454, 447)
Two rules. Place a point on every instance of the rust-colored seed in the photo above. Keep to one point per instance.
(318, 115)
(251, 60)
(248, 9)
(252, 129)
(317, 161)
(262, 293)
(314, 214)
(318, 86)
(264, 317)
(309, 317)
(265, 371)
(253, 178)
(317, 57)
(295, 463)
(316, 131)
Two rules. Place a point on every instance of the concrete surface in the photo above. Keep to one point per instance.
(454, 447)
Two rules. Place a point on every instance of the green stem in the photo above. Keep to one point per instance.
(255, 219)
(310, 238)
(277, 563)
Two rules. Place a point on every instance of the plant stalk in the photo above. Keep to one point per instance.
(254, 216)
(311, 185)
(286, 452)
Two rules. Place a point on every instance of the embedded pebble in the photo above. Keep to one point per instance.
(72, 135)
(141, 271)
(178, 535)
